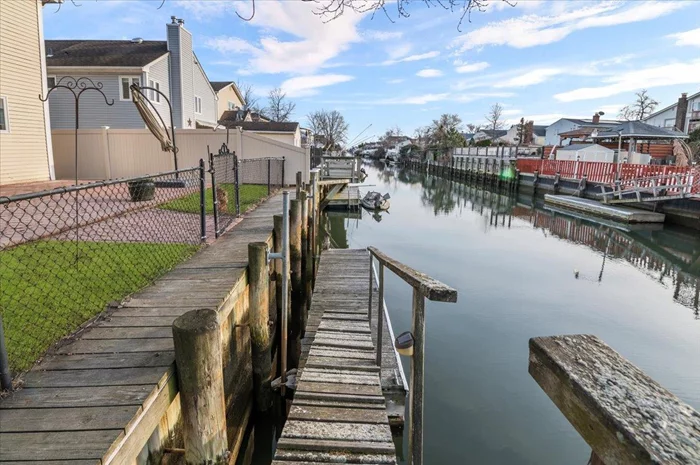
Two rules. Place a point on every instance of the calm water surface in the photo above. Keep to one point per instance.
(514, 269)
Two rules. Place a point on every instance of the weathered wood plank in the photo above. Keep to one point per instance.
(624, 415)
(56, 446)
(342, 415)
(128, 333)
(117, 320)
(100, 396)
(99, 377)
(108, 346)
(288, 457)
(97, 361)
(66, 419)
(326, 445)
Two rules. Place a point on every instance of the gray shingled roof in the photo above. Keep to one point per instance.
(640, 130)
(228, 120)
(494, 134)
(539, 130)
(103, 52)
(218, 85)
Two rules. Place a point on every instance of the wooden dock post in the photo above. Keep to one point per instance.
(197, 341)
(277, 248)
(295, 222)
(315, 199)
(259, 319)
(299, 182)
(305, 279)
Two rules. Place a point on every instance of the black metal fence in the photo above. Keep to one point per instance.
(66, 253)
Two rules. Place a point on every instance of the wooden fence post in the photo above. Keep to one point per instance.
(197, 340)
(258, 321)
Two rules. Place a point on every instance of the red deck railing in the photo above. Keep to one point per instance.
(604, 172)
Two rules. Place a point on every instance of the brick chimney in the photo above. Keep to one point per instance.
(681, 111)
(596, 118)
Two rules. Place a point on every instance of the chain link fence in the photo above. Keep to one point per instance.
(240, 184)
(66, 253)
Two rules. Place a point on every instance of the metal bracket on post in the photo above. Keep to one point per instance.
(284, 256)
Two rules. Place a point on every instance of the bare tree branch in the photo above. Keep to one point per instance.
(642, 107)
(278, 107)
(493, 117)
(329, 128)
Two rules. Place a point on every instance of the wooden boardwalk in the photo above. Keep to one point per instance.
(339, 413)
(99, 398)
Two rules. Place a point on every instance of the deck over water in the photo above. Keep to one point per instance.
(339, 412)
(348, 198)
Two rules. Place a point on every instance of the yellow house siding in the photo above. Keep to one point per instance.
(227, 94)
(24, 154)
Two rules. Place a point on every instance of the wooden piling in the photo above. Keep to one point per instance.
(306, 289)
(299, 182)
(259, 319)
(295, 223)
(197, 340)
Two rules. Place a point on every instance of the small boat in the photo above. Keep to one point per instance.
(375, 201)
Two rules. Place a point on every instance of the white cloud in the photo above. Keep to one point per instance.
(411, 100)
(635, 79)
(395, 81)
(530, 78)
(691, 37)
(417, 57)
(312, 42)
(304, 86)
(472, 67)
(532, 30)
(429, 73)
(382, 35)
(511, 112)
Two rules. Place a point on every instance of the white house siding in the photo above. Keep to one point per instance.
(667, 118)
(203, 89)
(94, 112)
(182, 75)
(24, 148)
(553, 130)
(159, 71)
(173, 34)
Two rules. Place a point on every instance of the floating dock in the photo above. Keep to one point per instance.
(613, 212)
(348, 198)
(339, 413)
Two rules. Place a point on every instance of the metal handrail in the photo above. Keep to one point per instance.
(424, 287)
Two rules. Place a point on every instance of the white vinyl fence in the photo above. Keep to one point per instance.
(125, 153)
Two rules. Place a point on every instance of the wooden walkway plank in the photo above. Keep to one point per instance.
(339, 411)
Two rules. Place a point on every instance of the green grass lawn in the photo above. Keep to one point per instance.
(46, 294)
(250, 195)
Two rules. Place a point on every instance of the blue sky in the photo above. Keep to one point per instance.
(540, 59)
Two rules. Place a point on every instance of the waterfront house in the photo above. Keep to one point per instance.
(229, 97)
(286, 132)
(683, 115)
(553, 132)
(170, 66)
(639, 142)
(25, 137)
(495, 136)
(538, 135)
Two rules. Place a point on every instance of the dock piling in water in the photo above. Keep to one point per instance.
(259, 315)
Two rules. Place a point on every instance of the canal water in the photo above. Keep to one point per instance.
(524, 271)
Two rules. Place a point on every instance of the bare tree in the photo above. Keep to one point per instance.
(329, 128)
(250, 101)
(493, 117)
(473, 128)
(642, 107)
(444, 133)
(278, 107)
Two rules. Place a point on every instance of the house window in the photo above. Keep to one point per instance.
(197, 104)
(669, 122)
(125, 92)
(154, 96)
(4, 117)
(51, 82)
(231, 105)
(696, 106)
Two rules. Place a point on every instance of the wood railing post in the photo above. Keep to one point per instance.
(259, 319)
(371, 287)
(315, 214)
(415, 394)
(197, 340)
(380, 314)
(277, 248)
(305, 259)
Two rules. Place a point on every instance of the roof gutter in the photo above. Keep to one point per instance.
(94, 69)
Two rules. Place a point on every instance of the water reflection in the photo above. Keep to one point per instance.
(669, 256)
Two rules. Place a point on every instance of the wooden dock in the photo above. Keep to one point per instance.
(339, 413)
(613, 212)
(348, 198)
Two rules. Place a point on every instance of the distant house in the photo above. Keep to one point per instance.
(564, 125)
(25, 137)
(169, 66)
(686, 120)
(494, 136)
(229, 97)
(538, 135)
(287, 132)
(586, 152)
